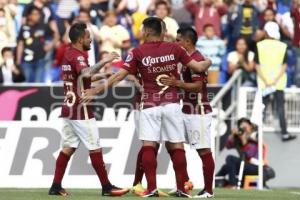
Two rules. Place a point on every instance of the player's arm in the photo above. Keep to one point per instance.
(135, 81)
(100, 76)
(89, 94)
(186, 60)
(90, 71)
(195, 86)
(199, 66)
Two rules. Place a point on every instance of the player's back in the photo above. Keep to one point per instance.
(155, 60)
(74, 61)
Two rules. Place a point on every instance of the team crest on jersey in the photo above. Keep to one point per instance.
(80, 58)
(129, 57)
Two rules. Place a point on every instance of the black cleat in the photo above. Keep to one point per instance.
(114, 191)
(288, 137)
(56, 189)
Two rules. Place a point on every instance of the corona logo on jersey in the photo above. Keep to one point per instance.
(149, 61)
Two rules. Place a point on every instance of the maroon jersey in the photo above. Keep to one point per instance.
(155, 60)
(195, 103)
(74, 61)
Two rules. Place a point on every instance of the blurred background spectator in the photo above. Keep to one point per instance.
(162, 10)
(295, 14)
(32, 46)
(113, 36)
(214, 48)
(9, 71)
(207, 12)
(115, 25)
(242, 58)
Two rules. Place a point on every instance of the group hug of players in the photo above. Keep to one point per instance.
(159, 118)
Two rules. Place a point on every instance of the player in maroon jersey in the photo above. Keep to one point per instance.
(196, 108)
(79, 124)
(160, 115)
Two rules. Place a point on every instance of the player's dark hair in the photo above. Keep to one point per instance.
(31, 9)
(154, 24)
(189, 33)
(6, 49)
(77, 30)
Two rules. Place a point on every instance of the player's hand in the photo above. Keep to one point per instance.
(112, 56)
(88, 95)
(169, 81)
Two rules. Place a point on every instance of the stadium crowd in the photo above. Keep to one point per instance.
(33, 33)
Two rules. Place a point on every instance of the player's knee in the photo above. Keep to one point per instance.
(203, 152)
(68, 150)
(172, 146)
(150, 143)
(95, 150)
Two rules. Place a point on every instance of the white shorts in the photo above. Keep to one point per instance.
(197, 130)
(85, 131)
(162, 123)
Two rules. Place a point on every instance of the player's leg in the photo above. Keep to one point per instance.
(87, 131)
(188, 185)
(199, 136)
(149, 133)
(70, 143)
(173, 134)
(139, 171)
(208, 168)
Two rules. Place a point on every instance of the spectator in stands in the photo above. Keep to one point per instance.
(242, 58)
(295, 13)
(271, 71)
(162, 10)
(244, 140)
(125, 19)
(243, 22)
(113, 37)
(207, 12)
(9, 71)
(7, 30)
(211, 46)
(269, 15)
(32, 46)
(47, 17)
(84, 16)
(180, 14)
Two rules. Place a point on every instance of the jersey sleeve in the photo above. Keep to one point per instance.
(131, 62)
(182, 55)
(202, 76)
(199, 76)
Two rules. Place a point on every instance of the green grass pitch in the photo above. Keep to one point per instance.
(87, 194)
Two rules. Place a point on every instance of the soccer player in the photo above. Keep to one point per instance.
(79, 124)
(196, 108)
(160, 115)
